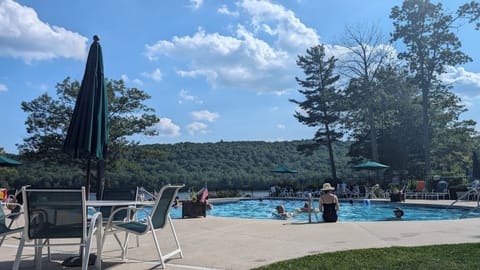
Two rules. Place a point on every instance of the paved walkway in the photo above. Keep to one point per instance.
(230, 243)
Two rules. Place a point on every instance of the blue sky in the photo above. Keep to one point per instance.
(216, 70)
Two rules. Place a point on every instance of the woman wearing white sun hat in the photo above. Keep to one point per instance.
(329, 204)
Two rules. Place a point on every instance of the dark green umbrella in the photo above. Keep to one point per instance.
(88, 131)
(8, 162)
(286, 170)
(283, 170)
(370, 166)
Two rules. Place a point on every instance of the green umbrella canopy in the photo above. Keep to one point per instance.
(8, 162)
(87, 134)
(370, 165)
(283, 170)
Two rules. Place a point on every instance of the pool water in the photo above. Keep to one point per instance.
(358, 211)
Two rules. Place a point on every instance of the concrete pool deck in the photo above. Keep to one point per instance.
(231, 243)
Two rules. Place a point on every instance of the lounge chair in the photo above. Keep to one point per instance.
(5, 229)
(52, 214)
(156, 219)
(420, 190)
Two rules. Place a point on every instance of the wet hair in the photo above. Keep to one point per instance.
(398, 210)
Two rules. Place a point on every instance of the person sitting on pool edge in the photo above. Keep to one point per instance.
(329, 204)
(281, 211)
(177, 203)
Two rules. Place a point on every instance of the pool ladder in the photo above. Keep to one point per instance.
(471, 191)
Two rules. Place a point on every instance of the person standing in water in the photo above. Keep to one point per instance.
(329, 204)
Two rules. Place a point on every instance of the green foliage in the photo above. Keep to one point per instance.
(48, 119)
(365, 97)
(223, 165)
(428, 34)
(445, 257)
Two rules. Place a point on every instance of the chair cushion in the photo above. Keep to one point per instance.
(133, 226)
(3, 228)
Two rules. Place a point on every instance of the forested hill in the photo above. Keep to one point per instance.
(237, 164)
(223, 165)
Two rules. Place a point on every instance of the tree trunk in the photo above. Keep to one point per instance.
(426, 132)
(373, 135)
(330, 154)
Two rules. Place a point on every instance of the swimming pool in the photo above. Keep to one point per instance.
(358, 211)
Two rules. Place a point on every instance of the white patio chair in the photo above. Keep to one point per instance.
(156, 220)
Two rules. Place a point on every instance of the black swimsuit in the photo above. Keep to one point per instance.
(329, 212)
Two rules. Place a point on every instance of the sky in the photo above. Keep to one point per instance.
(215, 70)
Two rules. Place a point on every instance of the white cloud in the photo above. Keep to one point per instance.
(196, 128)
(137, 82)
(205, 116)
(186, 97)
(23, 35)
(465, 84)
(196, 4)
(276, 20)
(167, 128)
(281, 126)
(126, 80)
(155, 75)
(3, 87)
(461, 76)
(260, 58)
(224, 10)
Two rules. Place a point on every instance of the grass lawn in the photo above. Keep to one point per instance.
(439, 257)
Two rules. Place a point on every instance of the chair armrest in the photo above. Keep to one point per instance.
(96, 217)
(14, 216)
(129, 209)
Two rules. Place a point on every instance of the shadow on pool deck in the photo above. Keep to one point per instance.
(231, 243)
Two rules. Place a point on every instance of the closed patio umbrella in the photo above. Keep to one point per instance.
(87, 134)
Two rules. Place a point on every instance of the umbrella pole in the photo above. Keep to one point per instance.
(89, 161)
(100, 179)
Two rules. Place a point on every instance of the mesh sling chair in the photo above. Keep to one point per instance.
(116, 194)
(5, 229)
(52, 214)
(156, 219)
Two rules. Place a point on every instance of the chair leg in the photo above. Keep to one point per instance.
(125, 246)
(175, 236)
(85, 254)
(98, 235)
(38, 253)
(18, 257)
(159, 252)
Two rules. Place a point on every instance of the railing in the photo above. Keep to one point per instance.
(471, 191)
